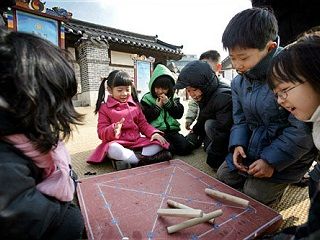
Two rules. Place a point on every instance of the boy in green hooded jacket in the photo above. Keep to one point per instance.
(162, 109)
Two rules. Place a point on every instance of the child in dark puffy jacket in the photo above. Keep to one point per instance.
(215, 115)
(269, 148)
(162, 109)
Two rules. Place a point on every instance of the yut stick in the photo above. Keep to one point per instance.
(228, 197)
(194, 221)
(190, 213)
(174, 204)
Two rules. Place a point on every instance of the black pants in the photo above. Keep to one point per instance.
(178, 143)
(71, 226)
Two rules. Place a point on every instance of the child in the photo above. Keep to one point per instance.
(120, 123)
(269, 148)
(295, 78)
(215, 116)
(212, 57)
(37, 84)
(162, 109)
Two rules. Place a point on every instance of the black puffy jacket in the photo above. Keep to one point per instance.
(25, 213)
(216, 104)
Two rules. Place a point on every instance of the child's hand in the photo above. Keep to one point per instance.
(188, 124)
(260, 169)
(117, 128)
(163, 98)
(158, 137)
(159, 102)
(238, 156)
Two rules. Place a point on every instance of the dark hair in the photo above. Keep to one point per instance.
(165, 82)
(251, 28)
(298, 62)
(115, 78)
(37, 83)
(213, 55)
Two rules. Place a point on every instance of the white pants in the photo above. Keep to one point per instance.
(118, 152)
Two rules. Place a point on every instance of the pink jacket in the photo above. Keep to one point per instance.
(135, 123)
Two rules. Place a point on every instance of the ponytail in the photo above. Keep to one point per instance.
(115, 78)
(101, 95)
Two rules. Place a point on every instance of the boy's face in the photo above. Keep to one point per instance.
(160, 91)
(195, 93)
(243, 59)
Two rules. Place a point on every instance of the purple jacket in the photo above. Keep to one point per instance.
(135, 123)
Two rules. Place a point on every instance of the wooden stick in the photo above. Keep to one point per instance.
(228, 197)
(191, 213)
(174, 204)
(194, 221)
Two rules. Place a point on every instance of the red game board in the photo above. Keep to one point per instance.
(125, 203)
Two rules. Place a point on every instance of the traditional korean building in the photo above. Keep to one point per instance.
(96, 49)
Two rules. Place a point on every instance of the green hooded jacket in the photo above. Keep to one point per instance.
(164, 119)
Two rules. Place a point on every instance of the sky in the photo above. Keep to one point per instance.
(198, 25)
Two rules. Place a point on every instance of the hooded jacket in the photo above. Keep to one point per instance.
(267, 131)
(163, 118)
(216, 104)
(216, 100)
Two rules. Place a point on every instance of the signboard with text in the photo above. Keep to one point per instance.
(142, 74)
(43, 27)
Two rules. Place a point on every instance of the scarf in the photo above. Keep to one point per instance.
(57, 179)
(315, 119)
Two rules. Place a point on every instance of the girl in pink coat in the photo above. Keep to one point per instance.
(125, 133)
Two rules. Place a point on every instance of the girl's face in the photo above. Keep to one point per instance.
(244, 59)
(195, 93)
(120, 93)
(300, 99)
(159, 91)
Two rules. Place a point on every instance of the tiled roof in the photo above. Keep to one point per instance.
(226, 63)
(102, 34)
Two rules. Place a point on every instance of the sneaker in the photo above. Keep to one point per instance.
(120, 165)
(161, 156)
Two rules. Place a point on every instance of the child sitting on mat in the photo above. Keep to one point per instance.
(120, 124)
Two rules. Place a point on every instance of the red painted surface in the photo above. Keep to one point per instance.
(125, 203)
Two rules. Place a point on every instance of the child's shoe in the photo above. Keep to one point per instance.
(120, 164)
(161, 156)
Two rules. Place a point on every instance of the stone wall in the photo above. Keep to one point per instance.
(94, 64)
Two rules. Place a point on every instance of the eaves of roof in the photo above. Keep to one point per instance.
(104, 35)
(226, 63)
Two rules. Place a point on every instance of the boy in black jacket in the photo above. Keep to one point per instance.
(215, 103)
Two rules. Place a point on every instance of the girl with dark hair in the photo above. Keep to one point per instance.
(120, 122)
(162, 109)
(294, 76)
(37, 84)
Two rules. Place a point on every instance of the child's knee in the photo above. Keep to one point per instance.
(209, 126)
(222, 173)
